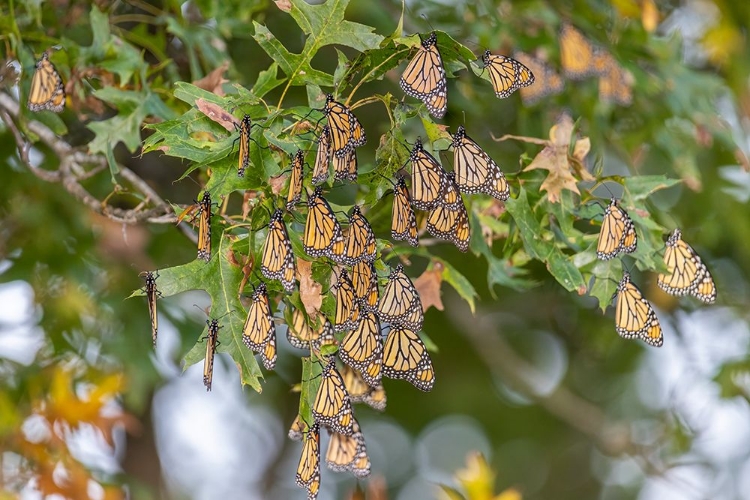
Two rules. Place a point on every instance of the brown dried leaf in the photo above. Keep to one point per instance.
(309, 290)
(213, 81)
(247, 204)
(216, 113)
(277, 183)
(428, 286)
(555, 159)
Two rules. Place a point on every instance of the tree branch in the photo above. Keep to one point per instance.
(72, 171)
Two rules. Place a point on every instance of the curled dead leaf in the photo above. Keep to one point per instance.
(428, 286)
(213, 81)
(309, 290)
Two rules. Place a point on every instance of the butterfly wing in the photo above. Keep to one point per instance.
(424, 78)
(277, 262)
(259, 332)
(47, 90)
(405, 357)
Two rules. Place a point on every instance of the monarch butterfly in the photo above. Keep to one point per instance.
(345, 167)
(360, 392)
(348, 453)
(332, 406)
(308, 470)
(277, 262)
(403, 220)
(295, 180)
(615, 83)
(617, 233)
(322, 157)
(204, 227)
(428, 179)
(687, 272)
(360, 243)
(296, 430)
(450, 224)
(212, 340)
(346, 132)
(47, 90)
(302, 336)
(151, 295)
(405, 357)
(475, 171)
(347, 308)
(634, 316)
(365, 281)
(507, 74)
(577, 54)
(259, 332)
(244, 156)
(424, 78)
(323, 235)
(400, 303)
(547, 81)
(362, 349)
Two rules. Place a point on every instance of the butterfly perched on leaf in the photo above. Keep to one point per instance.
(212, 340)
(360, 392)
(475, 172)
(360, 241)
(428, 179)
(405, 357)
(424, 78)
(577, 54)
(403, 220)
(347, 306)
(400, 303)
(546, 80)
(152, 294)
(687, 274)
(244, 155)
(47, 90)
(617, 234)
(348, 453)
(277, 262)
(634, 316)
(362, 348)
(308, 469)
(323, 235)
(295, 180)
(302, 336)
(346, 132)
(204, 227)
(345, 167)
(365, 281)
(259, 332)
(332, 406)
(322, 157)
(615, 83)
(450, 221)
(506, 74)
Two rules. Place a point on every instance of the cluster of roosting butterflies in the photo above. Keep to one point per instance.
(686, 274)
(364, 356)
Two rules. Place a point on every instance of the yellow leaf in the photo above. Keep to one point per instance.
(509, 494)
(649, 15)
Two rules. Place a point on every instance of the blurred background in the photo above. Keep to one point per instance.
(537, 380)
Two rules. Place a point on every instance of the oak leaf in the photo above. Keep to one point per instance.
(428, 286)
